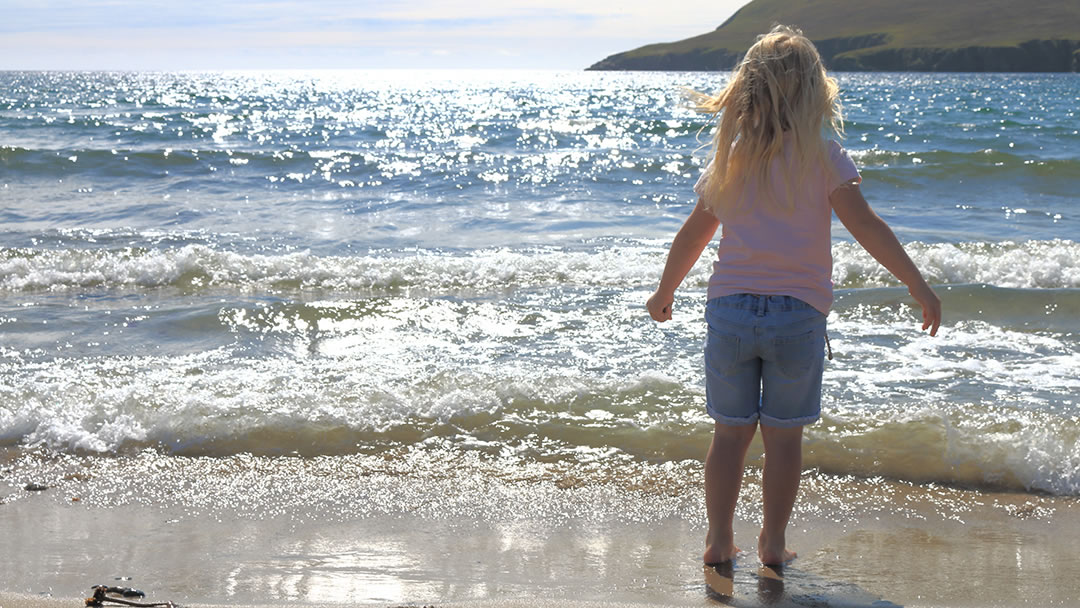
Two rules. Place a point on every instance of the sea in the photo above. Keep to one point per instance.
(347, 295)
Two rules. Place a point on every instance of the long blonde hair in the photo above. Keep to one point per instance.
(779, 87)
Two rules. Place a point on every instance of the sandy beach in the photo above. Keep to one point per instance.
(887, 544)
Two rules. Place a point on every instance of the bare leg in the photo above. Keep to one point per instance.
(780, 486)
(723, 479)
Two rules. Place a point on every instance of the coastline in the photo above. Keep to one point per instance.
(8, 600)
(927, 545)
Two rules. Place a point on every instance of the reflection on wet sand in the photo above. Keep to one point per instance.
(782, 586)
(720, 579)
(770, 586)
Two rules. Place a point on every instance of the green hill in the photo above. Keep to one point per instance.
(890, 35)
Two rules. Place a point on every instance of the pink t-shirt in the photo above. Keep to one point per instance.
(770, 250)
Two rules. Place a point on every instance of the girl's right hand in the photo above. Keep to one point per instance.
(659, 305)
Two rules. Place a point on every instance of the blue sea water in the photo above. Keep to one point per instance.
(363, 264)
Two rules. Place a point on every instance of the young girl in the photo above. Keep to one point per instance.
(773, 182)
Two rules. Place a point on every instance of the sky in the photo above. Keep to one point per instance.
(359, 34)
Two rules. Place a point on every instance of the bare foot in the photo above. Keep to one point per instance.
(774, 555)
(718, 553)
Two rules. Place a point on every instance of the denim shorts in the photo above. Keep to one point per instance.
(764, 357)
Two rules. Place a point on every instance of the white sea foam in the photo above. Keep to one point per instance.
(971, 444)
(331, 376)
(1029, 264)
(205, 405)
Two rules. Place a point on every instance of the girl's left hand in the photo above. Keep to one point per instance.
(659, 305)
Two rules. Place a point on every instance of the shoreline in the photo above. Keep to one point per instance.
(12, 600)
(925, 545)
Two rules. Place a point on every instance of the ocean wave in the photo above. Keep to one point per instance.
(160, 159)
(965, 444)
(195, 406)
(1028, 264)
(478, 157)
(987, 162)
(195, 266)
(1025, 265)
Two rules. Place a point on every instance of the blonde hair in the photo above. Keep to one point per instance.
(779, 87)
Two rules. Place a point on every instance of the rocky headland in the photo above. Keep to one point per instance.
(880, 35)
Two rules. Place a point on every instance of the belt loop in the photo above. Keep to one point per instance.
(761, 301)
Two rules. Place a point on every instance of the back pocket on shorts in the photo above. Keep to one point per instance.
(796, 355)
(721, 350)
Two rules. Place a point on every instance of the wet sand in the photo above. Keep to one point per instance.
(930, 547)
(355, 530)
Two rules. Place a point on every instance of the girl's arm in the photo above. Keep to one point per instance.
(879, 241)
(691, 240)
